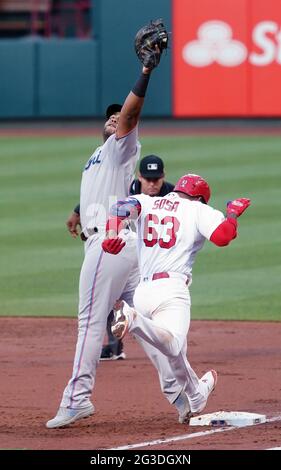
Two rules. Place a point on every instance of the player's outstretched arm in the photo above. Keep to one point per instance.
(150, 41)
(227, 230)
(131, 109)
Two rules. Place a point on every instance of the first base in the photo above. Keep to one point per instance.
(228, 418)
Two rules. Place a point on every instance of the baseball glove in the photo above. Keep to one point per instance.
(150, 41)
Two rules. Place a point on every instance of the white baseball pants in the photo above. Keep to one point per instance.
(162, 320)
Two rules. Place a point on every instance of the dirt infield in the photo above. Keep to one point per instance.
(37, 359)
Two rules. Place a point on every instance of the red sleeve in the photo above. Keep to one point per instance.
(122, 212)
(114, 223)
(225, 232)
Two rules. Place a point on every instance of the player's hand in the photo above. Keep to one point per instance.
(236, 207)
(113, 245)
(72, 223)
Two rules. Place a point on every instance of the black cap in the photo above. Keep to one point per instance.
(112, 109)
(151, 166)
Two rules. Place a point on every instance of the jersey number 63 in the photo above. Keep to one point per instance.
(168, 226)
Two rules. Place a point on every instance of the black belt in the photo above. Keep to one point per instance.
(84, 238)
(93, 231)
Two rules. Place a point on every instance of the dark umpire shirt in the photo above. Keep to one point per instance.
(166, 188)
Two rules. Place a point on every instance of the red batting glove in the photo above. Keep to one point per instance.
(113, 245)
(237, 207)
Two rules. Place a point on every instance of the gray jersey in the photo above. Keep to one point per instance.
(106, 178)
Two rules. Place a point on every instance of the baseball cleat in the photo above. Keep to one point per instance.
(119, 326)
(66, 416)
(183, 407)
(210, 379)
(114, 357)
(207, 385)
(108, 355)
(185, 417)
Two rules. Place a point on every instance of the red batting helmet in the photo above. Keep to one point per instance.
(194, 185)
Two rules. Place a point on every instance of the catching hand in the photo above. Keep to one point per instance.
(150, 41)
(113, 245)
(237, 207)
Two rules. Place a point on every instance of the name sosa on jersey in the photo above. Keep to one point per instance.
(166, 204)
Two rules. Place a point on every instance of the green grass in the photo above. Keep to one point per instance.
(40, 262)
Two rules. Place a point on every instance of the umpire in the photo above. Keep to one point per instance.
(151, 178)
(150, 181)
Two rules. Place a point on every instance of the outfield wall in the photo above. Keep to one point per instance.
(48, 78)
(78, 78)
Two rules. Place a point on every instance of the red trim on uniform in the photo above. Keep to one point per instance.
(225, 232)
(162, 275)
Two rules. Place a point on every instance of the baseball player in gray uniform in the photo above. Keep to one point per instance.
(106, 178)
(107, 175)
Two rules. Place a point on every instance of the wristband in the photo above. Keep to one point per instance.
(77, 209)
(141, 85)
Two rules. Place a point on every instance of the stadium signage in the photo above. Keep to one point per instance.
(215, 44)
(226, 58)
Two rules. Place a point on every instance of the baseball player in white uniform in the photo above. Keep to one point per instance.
(106, 178)
(170, 231)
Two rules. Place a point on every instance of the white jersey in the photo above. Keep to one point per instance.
(106, 178)
(170, 232)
